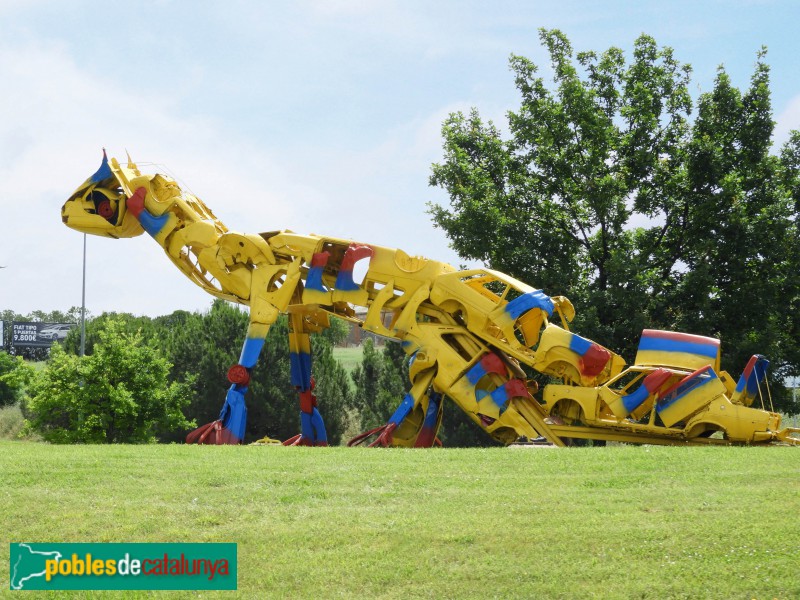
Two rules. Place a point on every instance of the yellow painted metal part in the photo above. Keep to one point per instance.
(471, 333)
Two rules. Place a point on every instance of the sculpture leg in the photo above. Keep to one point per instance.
(312, 426)
(432, 422)
(414, 423)
(229, 428)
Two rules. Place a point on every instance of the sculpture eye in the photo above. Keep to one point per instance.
(104, 205)
(105, 209)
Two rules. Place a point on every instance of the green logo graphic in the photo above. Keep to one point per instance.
(122, 566)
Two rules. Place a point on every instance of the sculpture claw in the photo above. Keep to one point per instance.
(385, 435)
(214, 433)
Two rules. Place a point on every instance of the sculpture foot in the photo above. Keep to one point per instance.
(229, 428)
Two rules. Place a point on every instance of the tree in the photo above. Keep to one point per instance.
(739, 243)
(609, 191)
(381, 382)
(95, 326)
(333, 391)
(14, 375)
(119, 394)
(458, 431)
(201, 347)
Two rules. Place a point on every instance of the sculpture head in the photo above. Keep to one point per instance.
(99, 206)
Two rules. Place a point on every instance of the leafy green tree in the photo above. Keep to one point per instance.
(14, 375)
(381, 382)
(610, 191)
(118, 394)
(333, 391)
(739, 242)
(458, 431)
(337, 333)
(95, 326)
(202, 346)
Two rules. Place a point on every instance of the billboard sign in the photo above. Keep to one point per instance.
(38, 335)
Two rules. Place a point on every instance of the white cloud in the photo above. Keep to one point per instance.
(59, 115)
(57, 118)
(316, 116)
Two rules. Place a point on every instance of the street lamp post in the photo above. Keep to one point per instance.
(83, 301)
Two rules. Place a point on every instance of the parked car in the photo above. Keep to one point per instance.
(675, 389)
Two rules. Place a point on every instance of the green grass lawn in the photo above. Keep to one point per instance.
(616, 522)
(349, 358)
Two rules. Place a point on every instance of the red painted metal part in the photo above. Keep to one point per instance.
(239, 375)
(385, 435)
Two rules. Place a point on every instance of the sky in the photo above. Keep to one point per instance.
(319, 116)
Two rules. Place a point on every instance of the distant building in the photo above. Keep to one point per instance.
(357, 335)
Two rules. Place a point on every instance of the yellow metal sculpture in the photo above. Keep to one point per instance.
(468, 333)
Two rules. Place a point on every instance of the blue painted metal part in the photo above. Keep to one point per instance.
(432, 414)
(500, 397)
(312, 427)
(314, 279)
(633, 400)
(250, 351)
(234, 412)
(306, 427)
(345, 283)
(579, 345)
(753, 375)
(427, 433)
(403, 410)
(320, 435)
(535, 299)
(300, 363)
(661, 344)
(151, 223)
(475, 374)
(104, 172)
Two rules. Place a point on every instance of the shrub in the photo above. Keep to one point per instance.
(14, 373)
(120, 393)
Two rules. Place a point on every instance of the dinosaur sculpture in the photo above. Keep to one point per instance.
(468, 333)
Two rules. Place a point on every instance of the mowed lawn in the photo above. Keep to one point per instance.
(616, 522)
(349, 358)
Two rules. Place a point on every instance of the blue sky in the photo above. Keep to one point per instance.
(316, 116)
